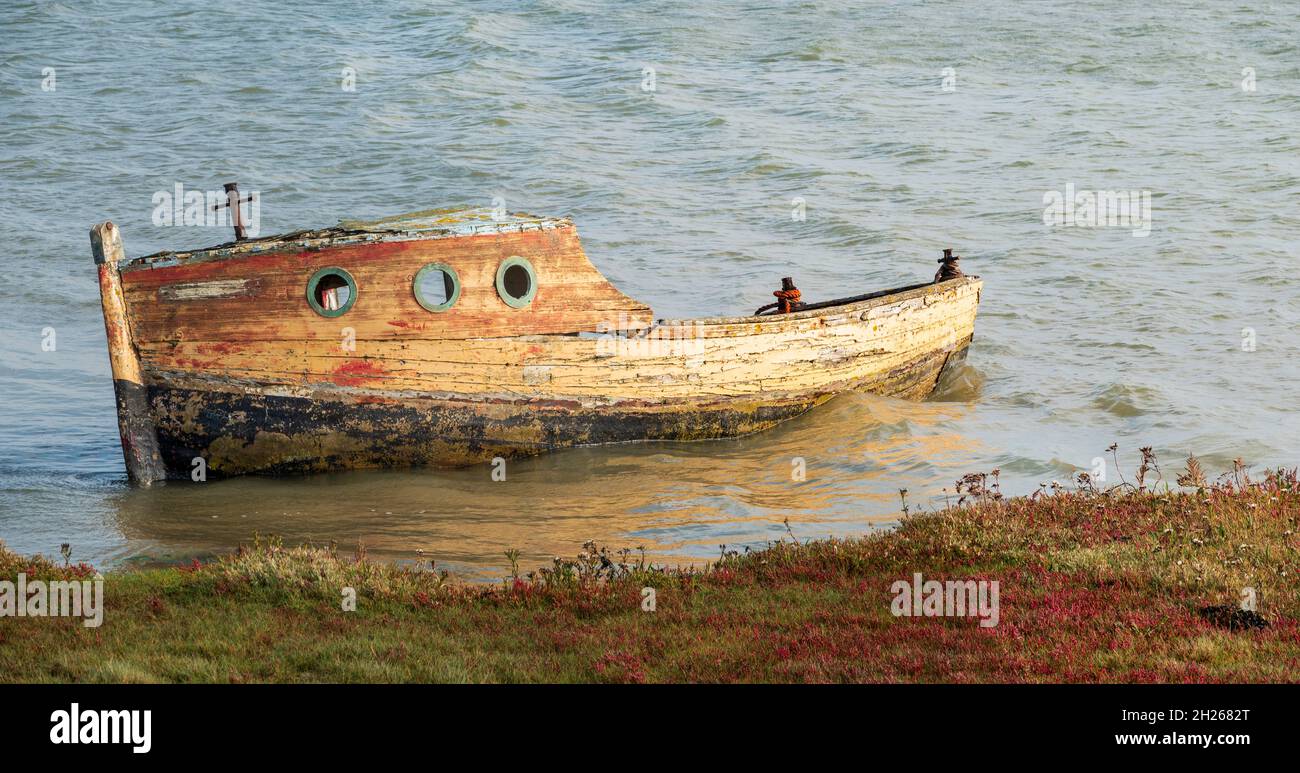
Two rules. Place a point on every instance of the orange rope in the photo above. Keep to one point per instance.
(787, 300)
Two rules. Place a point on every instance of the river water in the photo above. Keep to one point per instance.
(704, 153)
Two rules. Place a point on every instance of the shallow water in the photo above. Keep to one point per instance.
(684, 196)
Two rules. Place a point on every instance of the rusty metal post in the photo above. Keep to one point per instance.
(233, 200)
(949, 267)
(236, 217)
(134, 421)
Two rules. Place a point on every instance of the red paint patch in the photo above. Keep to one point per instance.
(285, 258)
(194, 363)
(357, 372)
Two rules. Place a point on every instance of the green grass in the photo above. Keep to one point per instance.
(1095, 586)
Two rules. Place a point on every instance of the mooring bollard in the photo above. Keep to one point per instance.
(949, 267)
(134, 422)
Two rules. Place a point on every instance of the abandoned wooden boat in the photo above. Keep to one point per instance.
(450, 338)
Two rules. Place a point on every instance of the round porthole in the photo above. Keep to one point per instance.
(331, 291)
(516, 282)
(437, 287)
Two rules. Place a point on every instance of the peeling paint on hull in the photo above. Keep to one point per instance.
(240, 433)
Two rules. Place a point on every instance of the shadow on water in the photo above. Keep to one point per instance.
(835, 470)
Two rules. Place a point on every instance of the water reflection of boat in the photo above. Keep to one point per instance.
(449, 338)
(677, 500)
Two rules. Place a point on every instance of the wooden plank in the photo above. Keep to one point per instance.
(706, 361)
(134, 420)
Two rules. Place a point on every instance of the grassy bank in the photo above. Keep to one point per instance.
(1094, 586)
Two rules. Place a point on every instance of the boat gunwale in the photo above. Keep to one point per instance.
(851, 303)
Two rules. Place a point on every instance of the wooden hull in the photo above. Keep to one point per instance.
(234, 372)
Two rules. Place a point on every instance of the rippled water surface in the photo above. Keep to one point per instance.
(683, 194)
